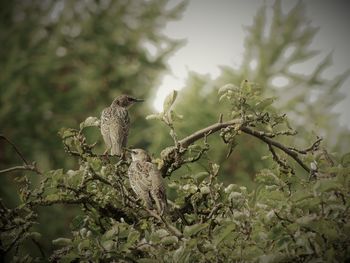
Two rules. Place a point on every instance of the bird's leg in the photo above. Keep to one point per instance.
(123, 154)
(160, 209)
(105, 155)
(123, 157)
(106, 151)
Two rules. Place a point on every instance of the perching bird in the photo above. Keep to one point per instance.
(115, 124)
(146, 180)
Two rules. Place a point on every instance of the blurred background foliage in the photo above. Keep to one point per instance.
(62, 61)
(272, 49)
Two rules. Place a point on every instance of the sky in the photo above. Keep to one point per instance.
(206, 24)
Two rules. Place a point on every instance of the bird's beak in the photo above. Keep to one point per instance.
(131, 151)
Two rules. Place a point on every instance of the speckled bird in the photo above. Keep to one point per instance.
(115, 124)
(146, 180)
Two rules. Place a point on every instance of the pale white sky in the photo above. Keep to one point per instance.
(207, 24)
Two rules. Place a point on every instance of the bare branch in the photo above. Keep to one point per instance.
(207, 131)
(15, 148)
(29, 167)
(294, 153)
(312, 148)
(280, 146)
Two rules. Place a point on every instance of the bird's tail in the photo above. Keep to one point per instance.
(116, 150)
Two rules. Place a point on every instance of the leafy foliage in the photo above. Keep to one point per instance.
(64, 60)
(290, 197)
(276, 45)
(290, 216)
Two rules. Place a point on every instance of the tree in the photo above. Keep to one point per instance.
(63, 60)
(290, 216)
(307, 99)
(289, 200)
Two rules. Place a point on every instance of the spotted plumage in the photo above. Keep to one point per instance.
(146, 181)
(115, 124)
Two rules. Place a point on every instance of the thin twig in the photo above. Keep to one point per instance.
(280, 146)
(277, 159)
(15, 148)
(15, 168)
(39, 247)
(313, 147)
(31, 167)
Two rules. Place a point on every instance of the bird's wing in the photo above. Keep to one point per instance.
(158, 191)
(121, 115)
(139, 177)
(139, 182)
(119, 129)
(105, 117)
(155, 176)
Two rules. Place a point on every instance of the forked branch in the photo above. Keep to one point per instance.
(292, 152)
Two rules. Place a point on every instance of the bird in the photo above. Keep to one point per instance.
(115, 124)
(146, 181)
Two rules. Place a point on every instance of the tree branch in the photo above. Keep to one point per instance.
(185, 142)
(15, 148)
(291, 153)
(28, 167)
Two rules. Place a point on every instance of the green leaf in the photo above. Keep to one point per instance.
(174, 116)
(264, 103)
(326, 185)
(246, 86)
(169, 101)
(222, 232)
(194, 229)
(110, 233)
(224, 96)
(162, 233)
(90, 122)
(95, 163)
(156, 116)
(326, 228)
(78, 221)
(62, 241)
(133, 237)
(85, 244)
(169, 240)
(305, 220)
(227, 87)
(67, 132)
(182, 254)
(301, 195)
(108, 245)
(199, 177)
(52, 197)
